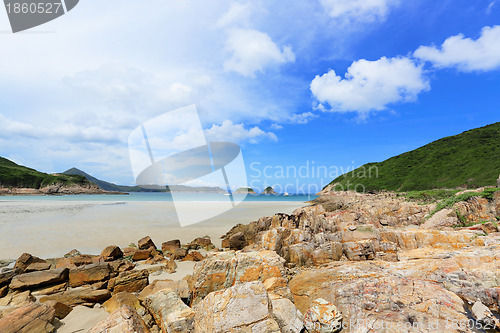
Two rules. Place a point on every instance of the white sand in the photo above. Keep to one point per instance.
(81, 319)
(52, 228)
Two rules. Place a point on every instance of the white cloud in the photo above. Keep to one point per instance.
(466, 54)
(302, 118)
(370, 85)
(490, 6)
(253, 51)
(358, 10)
(237, 133)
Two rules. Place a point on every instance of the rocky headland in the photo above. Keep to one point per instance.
(57, 189)
(348, 262)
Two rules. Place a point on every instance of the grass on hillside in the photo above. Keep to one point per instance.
(13, 175)
(467, 160)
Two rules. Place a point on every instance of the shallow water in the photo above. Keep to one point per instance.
(55, 225)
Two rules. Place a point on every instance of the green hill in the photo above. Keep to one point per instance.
(470, 159)
(150, 188)
(14, 175)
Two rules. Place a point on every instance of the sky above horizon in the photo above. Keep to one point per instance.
(308, 89)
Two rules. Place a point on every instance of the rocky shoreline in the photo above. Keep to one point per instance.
(56, 189)
(348, 262)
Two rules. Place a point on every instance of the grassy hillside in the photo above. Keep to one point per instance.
(470, 159)
(14, 175)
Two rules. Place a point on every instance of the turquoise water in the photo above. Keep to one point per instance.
(135, 197)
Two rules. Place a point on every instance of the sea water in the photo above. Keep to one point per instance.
(50, 226)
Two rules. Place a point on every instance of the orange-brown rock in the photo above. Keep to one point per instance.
(89, 274)
(17, 299)
(79, 295)
(31, 318)
(181, 288)
(204, 243)
(170, 246)
(222, 270)
(146, 243)
(193, 256)
(121, 299)
(61, 309)
(38, 279)
(37, 266)
(50, 289)
(131, 281)
(141, 255)
(25, 260)
(111, 253)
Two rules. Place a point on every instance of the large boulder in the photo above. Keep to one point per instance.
(170, 313)
(244, 307)
(89, 274)
(368, 293)
(38, 279)
(204, 243)
(6, 277)
(287, 316)
(32, 318)
(124, 320)
(17, 299)
(181, 288)
(221, 270)
(123, 298)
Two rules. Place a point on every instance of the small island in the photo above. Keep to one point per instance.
(269, 190)
(244, 190)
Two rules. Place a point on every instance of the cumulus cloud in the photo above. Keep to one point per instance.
(302, 118)
(370, 85)
(358, 10)
(231, 132)
(464, 53)
(253, 51)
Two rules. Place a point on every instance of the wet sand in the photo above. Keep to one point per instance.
(52, 228)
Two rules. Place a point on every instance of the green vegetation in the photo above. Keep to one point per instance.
(14, 175)
(448, 202)
(467, 160)
(429, 196)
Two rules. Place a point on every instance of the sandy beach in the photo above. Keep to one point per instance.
(52, 228)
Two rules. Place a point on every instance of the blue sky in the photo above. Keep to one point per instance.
(325, 83)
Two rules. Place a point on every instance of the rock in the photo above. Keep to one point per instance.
(129, 251)
(89, 274)
(79, 295)
(289, 319)
(489, 227)
(124, 320)
(237, 241)
(204, 243)
(32, 318)
(193, 256)
(6, 277)
(360, 233)
(362, 250)
(3, 291)
(25, 260)
(121, 299)
(389, 294)
(75, 261)
(50, 290)
(170, 313)
(323, 317)
(181, 288)
(442, 219)
(221, 270)
(170, 266)
(244, 307)
(141, 255)
(179, 253)
(111, 253)
(121, 265)
(475, 210)
(72, 253)
(38, 279)
(146, 243)
(61, 309)
(17, 299)
(277, 287)
(37, 266)
(170, 246)
(484, 315)
(130, 281)
(5, 262)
